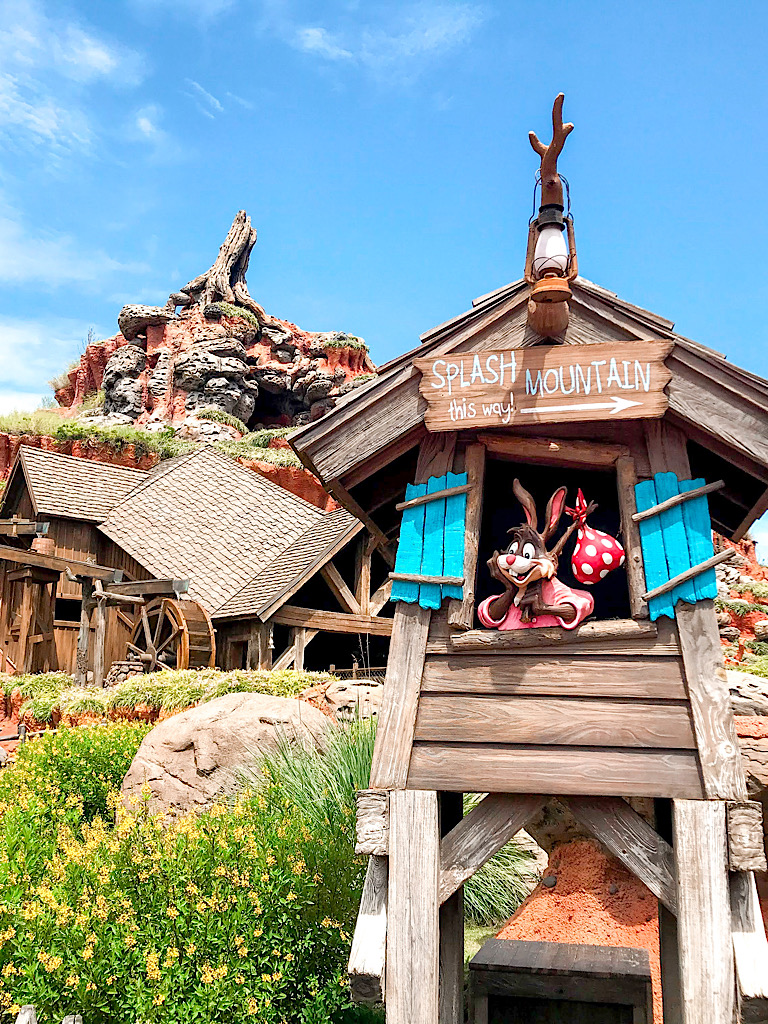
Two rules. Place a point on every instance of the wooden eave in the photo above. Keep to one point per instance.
(718, 403)
(16, 480)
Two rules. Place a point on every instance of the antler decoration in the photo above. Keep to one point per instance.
(551, 185)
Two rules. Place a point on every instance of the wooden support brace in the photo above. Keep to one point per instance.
(750, 947)
(413, 939)
(746, 845)
(678, 499)
(704, 914)
(631, 840)
(480, 835)
(424, 499)
(340, 590)
(689, 574)
(415, 577)
(461, 613)
(372, 826)
(369, 944)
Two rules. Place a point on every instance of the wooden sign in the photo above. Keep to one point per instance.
(552, 384)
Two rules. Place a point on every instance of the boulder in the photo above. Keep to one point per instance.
(134, 319)
(344, 697)
(760, 629)
(195, 758)
(749, 694)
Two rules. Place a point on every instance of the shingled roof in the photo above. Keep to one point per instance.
(209, 519)
(296, 563)
(71, 488)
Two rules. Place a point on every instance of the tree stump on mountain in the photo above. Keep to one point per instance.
(225, 281)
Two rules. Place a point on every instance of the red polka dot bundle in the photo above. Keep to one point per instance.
(596, 553)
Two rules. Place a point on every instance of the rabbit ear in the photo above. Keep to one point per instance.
(555, 507)
(525, 499)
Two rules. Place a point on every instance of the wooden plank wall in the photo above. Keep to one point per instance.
(613, 724)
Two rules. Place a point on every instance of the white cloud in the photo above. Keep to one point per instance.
(48, 66)
(20, 401)
(145, 126)
(50, 260)
(385, 39)
(239, 99)
(320, 41)
(33, 351)
(205, 101)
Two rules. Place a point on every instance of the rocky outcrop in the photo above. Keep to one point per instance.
(221, 352)
(195, 758)
(133, 320)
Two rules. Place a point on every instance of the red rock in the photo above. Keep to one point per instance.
(751, 726)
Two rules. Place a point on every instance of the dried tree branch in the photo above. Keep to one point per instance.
(551, 185)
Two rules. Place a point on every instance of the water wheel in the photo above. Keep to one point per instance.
(173, 633)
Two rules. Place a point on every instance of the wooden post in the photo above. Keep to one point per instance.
(413, 933)
(704, 913)
(299, 643)
(363, 573)
(750, 947)
(84, 634)
(461, 614)
(99, 642)
(626, 478)
(451, 810)
(369, 943)
(25, 650)
(670, 963)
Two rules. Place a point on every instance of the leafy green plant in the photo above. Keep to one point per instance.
(347, 341)
(737, 606)
(228, 309)
(31, 685)
(756, 666)
(757, 647)
(758, 589)
(262, 438)
(274, 456)
(93, 402)
(215, 415)
(81, 700)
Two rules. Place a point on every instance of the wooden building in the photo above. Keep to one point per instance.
(226, 567)
(554, 382)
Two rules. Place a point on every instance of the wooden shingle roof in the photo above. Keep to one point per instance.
(70, 488)
(283, 576)
(211, 520)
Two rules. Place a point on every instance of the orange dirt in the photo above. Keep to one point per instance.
(595, 901)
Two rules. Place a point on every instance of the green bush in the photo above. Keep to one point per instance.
(261, 438)
(241, 913)
(737, 606)
(758, 589)
(72, 767)
(41, 684)
(83, 700)
(348, 341)
(756, 666)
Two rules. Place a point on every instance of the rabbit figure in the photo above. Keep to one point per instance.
(533, 596)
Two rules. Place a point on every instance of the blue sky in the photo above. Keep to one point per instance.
(381, 150)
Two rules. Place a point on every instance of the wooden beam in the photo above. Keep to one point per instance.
(424, 499)
(415, 577)
(704, 913)
(363, 573)
(332, 622)
(288, 656)
(759, 507)
(630, 838)
(750, 946)
(89, 569)
(678, 499)
(689, 574)
(99, 641)
(21, 528)
(369, 943)
(397, 715)
(299, 643)
(380, 597)
(151, 588)
(339, 588)
(626, 478)
(609, 630)
(481, 834)
(342, 495)
(83, 637)
(571, 454)
(413, 939)
(451, 1011)
(719, 756)
(461, 613)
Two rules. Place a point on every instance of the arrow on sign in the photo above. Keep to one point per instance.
(615, 405)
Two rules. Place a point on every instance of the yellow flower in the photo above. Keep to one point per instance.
(130, 940)
(87, 953)
(258, 932)
(251, 1007)
(190, 948)
(171, 956)
(239, 979)
(289, 957)
(291, 897)
(72, 980)
(220, 871)
(242, 951)
(206, 975)
(159, 999)
(172, 913)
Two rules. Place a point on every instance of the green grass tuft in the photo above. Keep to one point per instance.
(227, 309)
(350, 341)
(215, 415)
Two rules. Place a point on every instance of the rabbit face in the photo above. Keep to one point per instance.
(526, 559)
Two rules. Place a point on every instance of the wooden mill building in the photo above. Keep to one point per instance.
(232, 569)
(554, 382)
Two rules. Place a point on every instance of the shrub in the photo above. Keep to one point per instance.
(758, 589)
(83, 701)
(216, 309)
(41, 684)
(241, 913)
(345, 341)
(756, 666)
(261, 438)
(214, 415)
